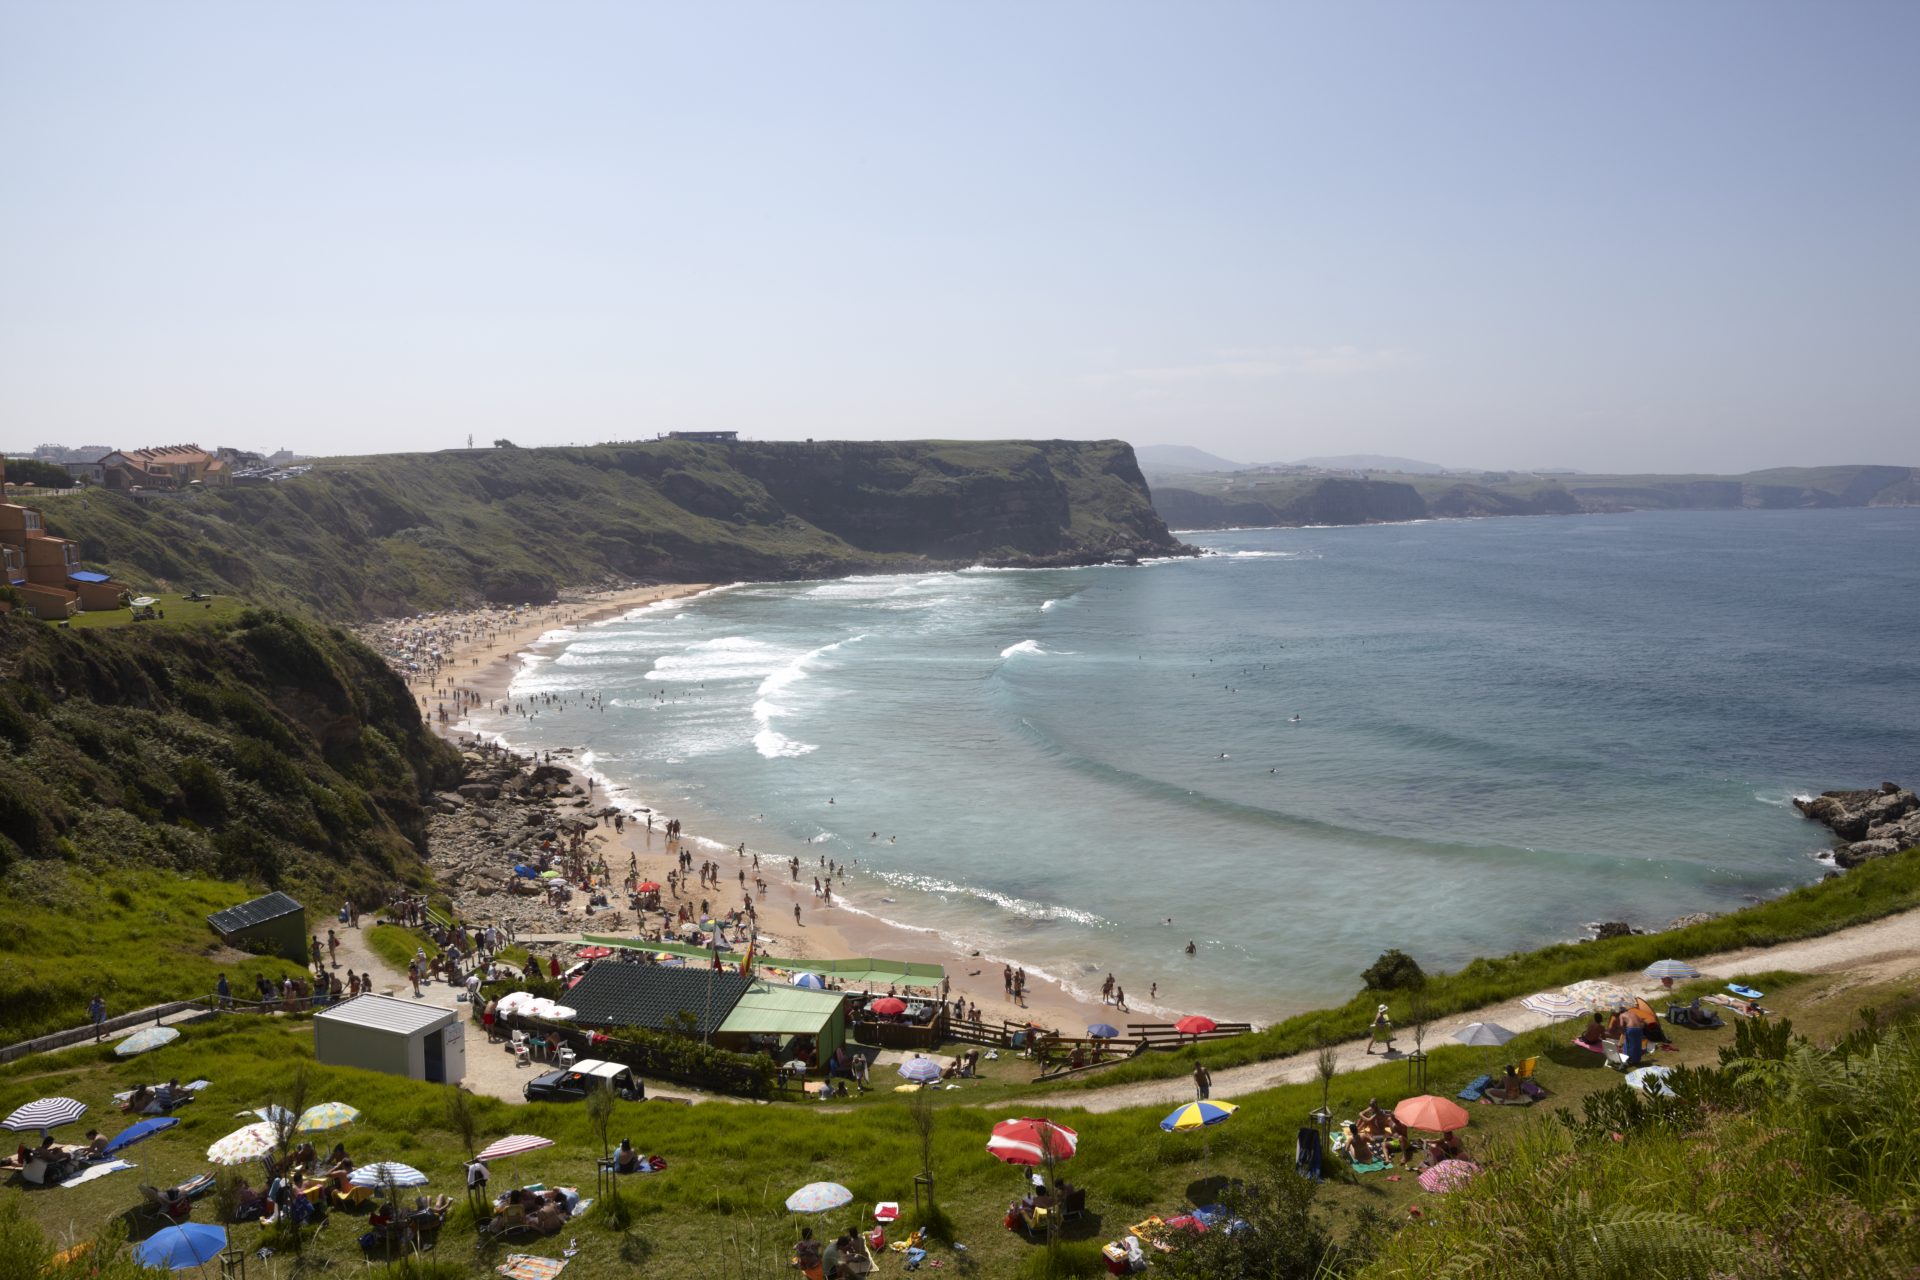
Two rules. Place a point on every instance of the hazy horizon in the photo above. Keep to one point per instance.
(1643, 238)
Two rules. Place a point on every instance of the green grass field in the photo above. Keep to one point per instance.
(717, 1209)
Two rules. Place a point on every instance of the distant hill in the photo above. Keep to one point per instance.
(399, 533)
(1254, 498)
(1172, 459)
(1372, 462)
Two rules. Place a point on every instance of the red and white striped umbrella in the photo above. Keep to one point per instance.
(1032, 1141)
(1447, 1175)
(514, 1144)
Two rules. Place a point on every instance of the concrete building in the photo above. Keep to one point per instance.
(45, 570)
(272, 922)
(172, 466)
(400, 1037)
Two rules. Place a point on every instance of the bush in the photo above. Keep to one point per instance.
(1394, 971)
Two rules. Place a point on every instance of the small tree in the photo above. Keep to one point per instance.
(920, 1115)
(1326, 1065)
(1395, 970)
(600, 1118)
(460, 1118)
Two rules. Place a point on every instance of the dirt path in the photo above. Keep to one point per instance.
(1884, 948)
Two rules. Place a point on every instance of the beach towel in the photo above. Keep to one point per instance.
(527, 1266)
(1374, 1167)
(98, 1171)
(1472, 1092)
(1590, 1048)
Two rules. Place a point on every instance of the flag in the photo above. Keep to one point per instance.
(746, 962)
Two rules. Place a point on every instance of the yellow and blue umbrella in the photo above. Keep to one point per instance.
(1197, 1115)
(326, 1116)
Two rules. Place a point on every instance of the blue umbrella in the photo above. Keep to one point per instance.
(1104, 1031)
(377, 1175)
(924, 1070)
(811, 981)
(134, 1133)
(177, 1248)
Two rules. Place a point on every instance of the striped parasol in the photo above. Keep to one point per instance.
(142, 1041)
(1555, 1006)
(514, 1144)
(382, 1172)
(921, 1070)
(1602, 996)
(1447, 1175)
(243, 1145)
(1029, 1141)
(1677, 970)
(326, 1116)
(1197, 1115)
(818, 1197)
(47, 1113)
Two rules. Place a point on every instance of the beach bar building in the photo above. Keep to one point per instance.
(772, 1015)
(400, 1037)
(272, 923)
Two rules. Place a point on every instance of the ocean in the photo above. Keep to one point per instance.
(1309, 746)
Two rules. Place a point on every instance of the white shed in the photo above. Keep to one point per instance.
(380, 1033)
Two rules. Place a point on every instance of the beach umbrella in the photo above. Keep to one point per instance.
(1602, 996)
(1671, 971)
(1103, 1031)
(594, 953)
(1554, 1006)
(1483, 1033)
(1428, 1112)
(382, 1172)
(514, 1144)
(1447, 1175)
(326, 1116)
(1032, 1142)
(1197, 1115)
(888, 1007)
(818, 1197)
(647, 886)
(142, 1041)
(190, 1244)
(795, 1065)
(1651, 1081)
(1195, 1024)
(923, 1070)
(811, 981)
(47, 1113)
(243, 1145)
(273, 1113)
(135, 1132)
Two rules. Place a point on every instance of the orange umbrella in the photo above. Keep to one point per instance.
(1429, 1112)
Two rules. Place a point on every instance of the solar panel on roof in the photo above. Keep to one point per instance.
(262, 909)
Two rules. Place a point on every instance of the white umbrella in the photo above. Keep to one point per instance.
(382, 1172)
(1555, 1006)
(244, 1145)
(1483, 1033)
(1651, 1080)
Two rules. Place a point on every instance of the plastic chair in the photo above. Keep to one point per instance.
(522, 1055)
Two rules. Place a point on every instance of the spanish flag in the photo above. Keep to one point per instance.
(746, 961)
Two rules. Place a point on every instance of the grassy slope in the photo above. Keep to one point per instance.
(406, 532)
(180, 764)
(717, 1209)
(1880, 888)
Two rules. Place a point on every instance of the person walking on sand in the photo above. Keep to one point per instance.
(1120, 997)
(333, 948)
(1202, 1082)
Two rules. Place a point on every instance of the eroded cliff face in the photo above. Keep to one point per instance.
(1332, 501)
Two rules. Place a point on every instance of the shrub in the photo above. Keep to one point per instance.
(1394, 971)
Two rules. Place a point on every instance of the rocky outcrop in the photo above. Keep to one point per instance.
(1868, 824)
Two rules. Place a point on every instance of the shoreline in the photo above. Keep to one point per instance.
(837, 931)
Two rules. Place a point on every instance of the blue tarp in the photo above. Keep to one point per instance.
(87, 575)
(523, 869)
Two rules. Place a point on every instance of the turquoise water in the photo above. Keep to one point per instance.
(1507, 729)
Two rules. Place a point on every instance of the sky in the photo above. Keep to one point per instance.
(1635, 236)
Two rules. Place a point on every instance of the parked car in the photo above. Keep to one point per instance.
(570, 1084)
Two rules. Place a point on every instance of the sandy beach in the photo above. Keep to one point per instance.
(478, 653)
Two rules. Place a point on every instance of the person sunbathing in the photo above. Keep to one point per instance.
(139, 1101)
(1594, 1032)
(551, 1214)
(1359, 1150)
(626, 1159)
(1373, 1120)
(96, 1144)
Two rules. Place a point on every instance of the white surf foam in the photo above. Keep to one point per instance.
(767, 740)
(1025, 646)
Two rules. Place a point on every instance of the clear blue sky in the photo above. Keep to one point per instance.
(1602, 236)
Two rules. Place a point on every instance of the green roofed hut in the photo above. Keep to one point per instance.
(272, 923)
(613, 994)
(770, 1017)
